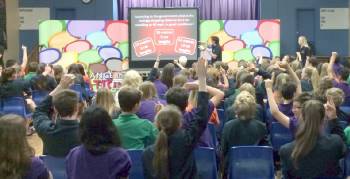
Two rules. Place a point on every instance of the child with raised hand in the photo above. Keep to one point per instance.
(172, 155)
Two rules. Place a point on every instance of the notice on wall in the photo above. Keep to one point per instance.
(334, 18)
(30, 17)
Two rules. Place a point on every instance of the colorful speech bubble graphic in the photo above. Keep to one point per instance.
(223, 37)
(60, 40)
(124, 48)
(114, 64)
(108, 52)
(67, 59)
(49, 28)
(78, 46)
(207, 28)
(49, 56)
(98, 68)
(98, 39)
(233, 45)
(89, 57)
(251, 38)
(269, 30)
(236, 28)
(244, 54)
(261, 50)
(81, 28)
(275, 47)
(117, 31)
(227, 56)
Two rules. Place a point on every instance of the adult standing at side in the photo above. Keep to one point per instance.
(304, 51)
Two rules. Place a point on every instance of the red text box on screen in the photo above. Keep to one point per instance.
(144, 47)
(164, 36)
(185, 45)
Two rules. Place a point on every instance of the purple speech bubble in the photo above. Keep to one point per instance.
(261, 50)
(107, 52)
(80, 28)
(114, 64)
(235, 28)
(49, 56)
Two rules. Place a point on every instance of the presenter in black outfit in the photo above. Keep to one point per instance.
(304, 51)
(216, 49)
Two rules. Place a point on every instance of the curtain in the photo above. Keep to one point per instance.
(208, 9)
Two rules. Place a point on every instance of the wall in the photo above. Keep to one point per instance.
(12, 29)
(96, 10)
(325, 40)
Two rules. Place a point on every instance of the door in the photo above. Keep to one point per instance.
(306, 26)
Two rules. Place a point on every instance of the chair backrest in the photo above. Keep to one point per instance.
(347, 164)
(136, 171)
(345, 109)
(14, 105)
(206, 162)
(251, 162)
(212, 130)
(280, 135)
(39, 95)
(56, 165)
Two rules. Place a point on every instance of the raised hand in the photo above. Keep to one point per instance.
(268, 84)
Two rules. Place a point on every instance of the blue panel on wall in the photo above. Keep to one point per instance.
(306, 25)
(65, 13)
(325, 41)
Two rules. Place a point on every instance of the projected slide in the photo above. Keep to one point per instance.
(170, 32)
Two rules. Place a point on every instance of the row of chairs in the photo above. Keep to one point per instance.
(17, 104)
(245, 162)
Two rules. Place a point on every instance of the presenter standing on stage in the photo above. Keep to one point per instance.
(215, 49)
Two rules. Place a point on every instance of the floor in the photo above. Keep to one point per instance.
(37, 144)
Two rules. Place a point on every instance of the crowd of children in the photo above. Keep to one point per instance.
(168, 115)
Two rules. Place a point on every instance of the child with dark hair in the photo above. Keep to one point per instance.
(17, 158)
(43, 81)
(100, 155)
(155, 77)
(135, 133)
(32, 68)
(172, 155)
(59, 134)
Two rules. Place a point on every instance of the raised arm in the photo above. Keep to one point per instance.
(176, 62)
(25, 58)
(330, 70)
(226, 84)
(293, 75)
(276, 113)
(153, 73)
(200, 119)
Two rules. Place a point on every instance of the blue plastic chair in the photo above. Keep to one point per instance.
(280, 135)
(15, 105)
(206, 162)
(347, 164)
(345, 109)
(56, 165)
(39, 95)
(251, 162)
(136, 171)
